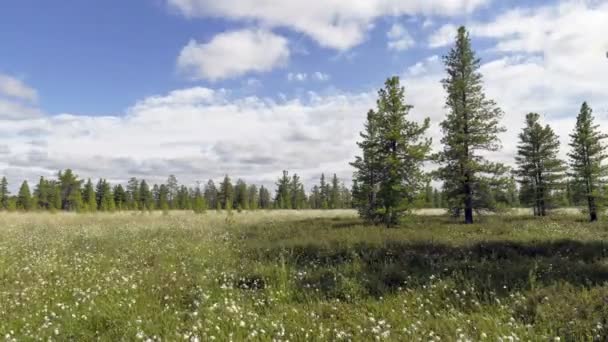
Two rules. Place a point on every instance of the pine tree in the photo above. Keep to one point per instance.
(539, 169)
(133, 201)
(587, 157)
(107, 198)
(315, 198)
(120, 197)
(399, 149)
(241, 198)
(173, 188)
(226, 194)
(324, 188)
(41, 194)
(145, 196)
(428, 195)
(283, 196)
(89, 196)
(71, 195)
(4, 194)
(471, 126)
(199, 205)
(163, 198)
(253, 197)
(265, 202)
(334, 193)
(365, 178)
(210, 194)
(24, 198)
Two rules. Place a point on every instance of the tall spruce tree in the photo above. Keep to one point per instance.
(241, 198)
(587, 156)
(540, 171)
(133, 194)
(399, 149)
(471, 126)
(366, 176)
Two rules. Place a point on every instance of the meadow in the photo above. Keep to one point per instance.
(301, 276)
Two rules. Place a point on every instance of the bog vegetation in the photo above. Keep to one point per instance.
(308, 275)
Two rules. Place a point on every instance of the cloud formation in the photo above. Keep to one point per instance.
(233, 54)
(335, 24)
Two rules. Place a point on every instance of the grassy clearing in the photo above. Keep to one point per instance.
(309, 275)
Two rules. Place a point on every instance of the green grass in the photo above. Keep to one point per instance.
(308, 275)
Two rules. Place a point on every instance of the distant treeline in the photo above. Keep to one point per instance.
(69, 193)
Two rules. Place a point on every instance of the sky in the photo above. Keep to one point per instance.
(201, 88)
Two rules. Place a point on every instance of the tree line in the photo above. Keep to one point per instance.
(69, 193)
(389, 178)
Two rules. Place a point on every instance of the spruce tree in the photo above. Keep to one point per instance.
(163, 198)
(145, 196)
(283, 196)
(4, 194)
(41, 194)
(226, 194)
(198, 202)
(253, 197)
(324, 188)
(334, 193)
(471, 126)
(265, 202)
(133, 201)
(107, 199)
(394, 149)
(120, 197)
(365, 178)
(173, 188)
(210, 194)
(71, 195)
(539, 168)
(24, 198)
(587, 156)
(89, 196)
(241, 198)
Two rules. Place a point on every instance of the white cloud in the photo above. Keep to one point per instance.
(399, 39)
(195, 133)
(321, 76)
(298, 76)
(335, 24)
(15, 88)
(232, 54)
(443, 36)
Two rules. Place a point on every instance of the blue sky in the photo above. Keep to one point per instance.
(181, 83)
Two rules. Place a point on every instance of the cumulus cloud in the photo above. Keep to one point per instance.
(399, 39)
(335, 24)
(232, 54)
(15, 88)
(195, 133)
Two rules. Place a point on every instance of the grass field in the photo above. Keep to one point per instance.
(301, 276)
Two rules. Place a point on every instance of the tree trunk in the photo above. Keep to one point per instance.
(468, 203)
(592, 209)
